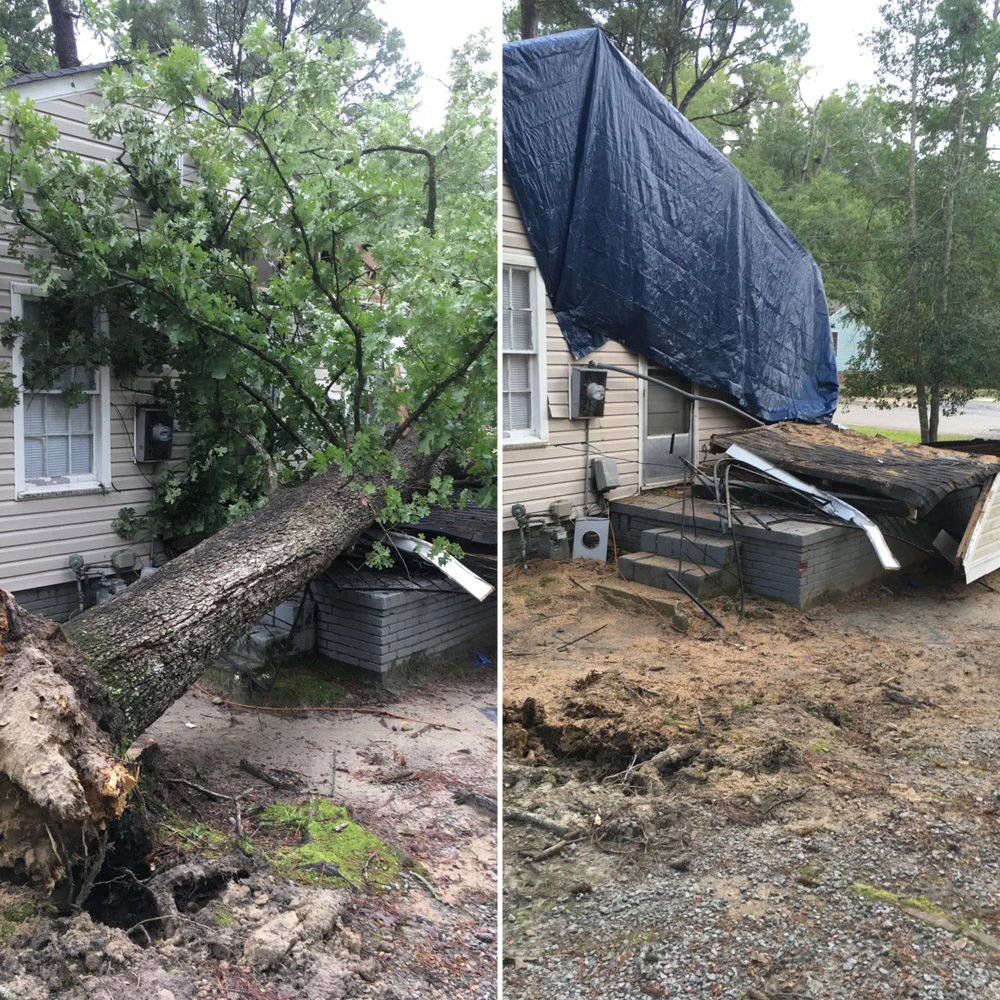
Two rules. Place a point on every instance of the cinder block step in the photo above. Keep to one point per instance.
(709, 550)
(661, 572)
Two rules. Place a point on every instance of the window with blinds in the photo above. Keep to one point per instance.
(58, 447)
(58, 440)
(520, 375)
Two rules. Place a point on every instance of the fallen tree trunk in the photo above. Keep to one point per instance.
(73, 696)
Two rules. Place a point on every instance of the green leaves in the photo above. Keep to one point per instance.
(274, 271)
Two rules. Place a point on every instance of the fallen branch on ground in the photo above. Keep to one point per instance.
(533, 819)
(257, 772)
(547, 853)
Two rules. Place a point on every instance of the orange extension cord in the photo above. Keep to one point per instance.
(363, 711)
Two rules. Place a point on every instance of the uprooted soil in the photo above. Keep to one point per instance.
(807, 804)
(371, 871)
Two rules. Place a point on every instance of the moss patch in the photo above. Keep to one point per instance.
(323, 834)
(302, 681)
(10, 917)
(876, 895)
(222, 917)
(209, 841)
(925, 909)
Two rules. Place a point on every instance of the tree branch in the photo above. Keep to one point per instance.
(272, 472)
(273, 413)
(278, 366)
(318, 280)
(431, 176)
(402, 428)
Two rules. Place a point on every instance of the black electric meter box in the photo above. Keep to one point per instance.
(587, 389)
(154, 434)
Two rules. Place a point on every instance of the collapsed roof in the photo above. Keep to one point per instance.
(918, 476)
(646, 234)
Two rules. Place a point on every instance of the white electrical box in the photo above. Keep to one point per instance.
(587, 389)
(605, 474)
(123, 559)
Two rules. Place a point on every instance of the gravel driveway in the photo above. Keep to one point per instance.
(829, 826)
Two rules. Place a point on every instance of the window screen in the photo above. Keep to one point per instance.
(59, 440)
(520, 357)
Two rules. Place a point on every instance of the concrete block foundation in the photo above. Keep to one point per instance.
(381, 629)
(799, 562)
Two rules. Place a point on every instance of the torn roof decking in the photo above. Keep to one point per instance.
(919, 476)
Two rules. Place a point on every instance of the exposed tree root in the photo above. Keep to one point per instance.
(59, 776)
(188, 887)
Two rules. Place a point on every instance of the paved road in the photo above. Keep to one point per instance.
(976, 419)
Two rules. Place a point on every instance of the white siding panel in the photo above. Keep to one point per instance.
(38, 534)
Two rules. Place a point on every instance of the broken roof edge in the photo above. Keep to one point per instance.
(824, 500)
(914, 474)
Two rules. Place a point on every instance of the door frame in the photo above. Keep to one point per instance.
(693, 432)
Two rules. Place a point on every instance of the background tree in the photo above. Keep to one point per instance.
(63, 16)
(933, 304)
(27, 36)
(300, 240)
(218, 27)
(712, 59)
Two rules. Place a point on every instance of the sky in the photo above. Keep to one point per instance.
(431, 32)
(836, 52)
(429, 42)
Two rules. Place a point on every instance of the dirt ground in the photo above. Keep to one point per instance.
(789, 771)
(270, 934)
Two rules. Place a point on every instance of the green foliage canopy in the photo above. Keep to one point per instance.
(282, 270)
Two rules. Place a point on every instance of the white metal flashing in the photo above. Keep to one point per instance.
(84, 82)
(448, 565)
(827, 501)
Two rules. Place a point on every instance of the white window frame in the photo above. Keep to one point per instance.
(98, 481)
(538, 433)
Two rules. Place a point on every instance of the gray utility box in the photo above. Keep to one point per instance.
(587, 389)
(154, 434)
(605, 474)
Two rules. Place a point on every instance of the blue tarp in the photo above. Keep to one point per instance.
(646, 234)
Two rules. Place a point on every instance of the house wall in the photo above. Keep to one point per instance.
(38, 534)
(849, 338)
(716, 419)
(537, 474)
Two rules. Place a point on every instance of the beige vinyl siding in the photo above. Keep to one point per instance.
(537, 474)
(716, 419)
(37, 535)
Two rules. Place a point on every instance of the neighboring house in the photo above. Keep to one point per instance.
(628, 240)
(848, 338)
(64, 475)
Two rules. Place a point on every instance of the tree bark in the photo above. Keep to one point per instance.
(529, 19)
(912, 278)
(72, 697)
(64, 33)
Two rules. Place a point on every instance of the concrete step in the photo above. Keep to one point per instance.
(709, 550)
(661, 572)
